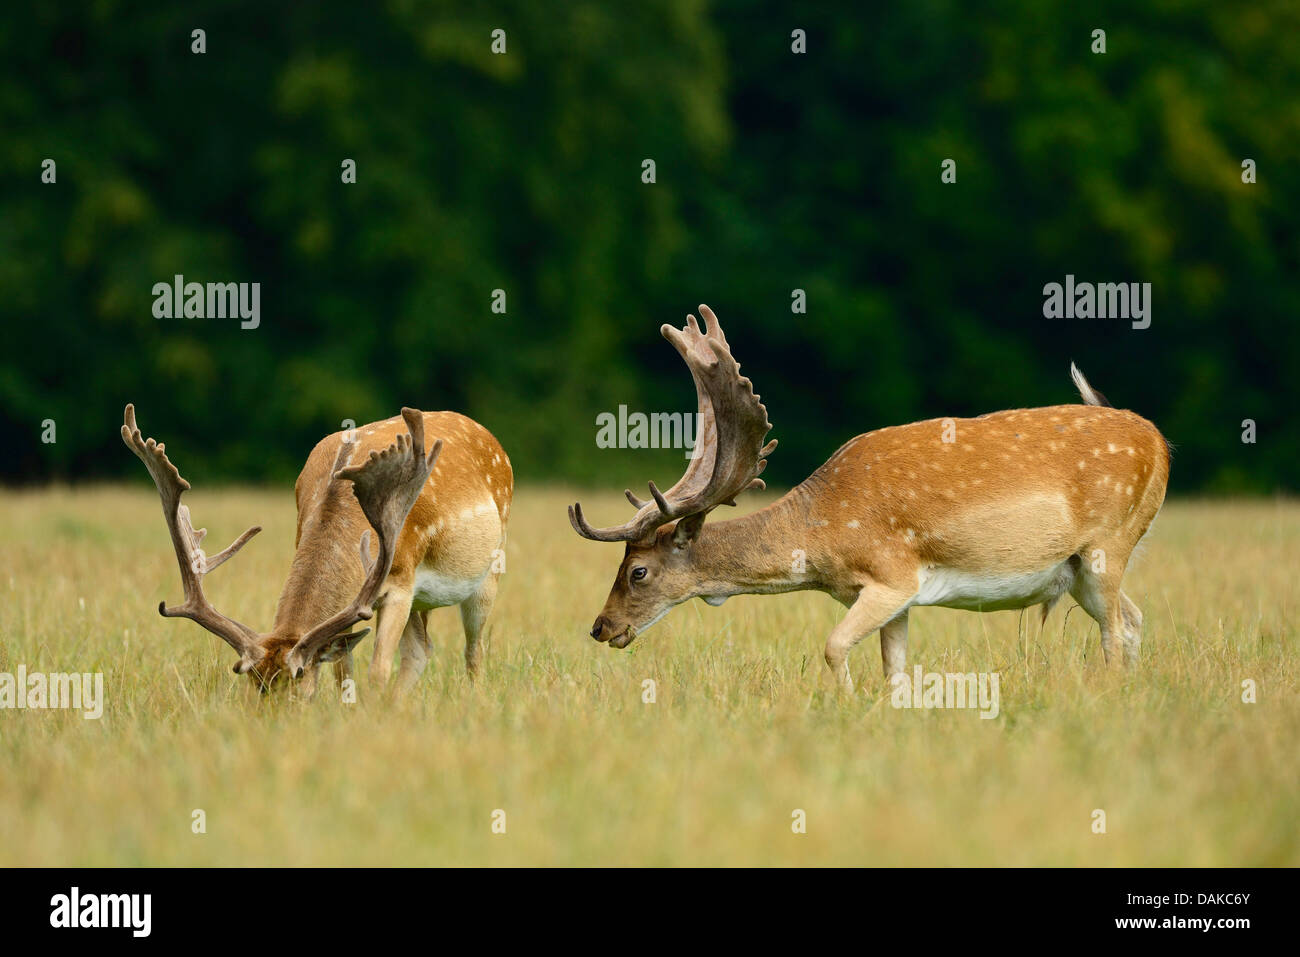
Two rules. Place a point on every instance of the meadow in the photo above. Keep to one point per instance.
(745, 728)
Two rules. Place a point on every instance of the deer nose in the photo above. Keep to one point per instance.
(598, 627)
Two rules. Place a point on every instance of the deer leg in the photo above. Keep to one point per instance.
(473, 613)
(1097, 592)
(343, 668)
(416, 649)
(877, 605)
(392, 614)
(1132, 616)
(893, 645)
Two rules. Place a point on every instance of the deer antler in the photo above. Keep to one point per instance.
(730, 453)
(186, 539)
(386, 485)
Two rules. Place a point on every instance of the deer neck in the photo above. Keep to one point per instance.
(765, 553)
(326, 571)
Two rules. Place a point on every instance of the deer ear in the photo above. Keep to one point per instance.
(688, 530)
(243, 666)
(340, 645)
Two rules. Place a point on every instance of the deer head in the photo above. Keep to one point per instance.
(386, 485)
(658, 569)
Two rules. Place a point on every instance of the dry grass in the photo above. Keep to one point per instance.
(745, 728)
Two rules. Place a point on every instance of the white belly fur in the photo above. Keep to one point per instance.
(953, 588)
(434, 590)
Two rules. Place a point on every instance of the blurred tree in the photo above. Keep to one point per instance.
(521, 171)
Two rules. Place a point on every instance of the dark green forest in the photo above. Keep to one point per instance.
(522, 171)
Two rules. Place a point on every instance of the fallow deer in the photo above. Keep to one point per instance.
(1006, 510)
(438, 511)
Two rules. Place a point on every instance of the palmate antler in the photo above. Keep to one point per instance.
(386, 485)
(730, 453)
(186, 539)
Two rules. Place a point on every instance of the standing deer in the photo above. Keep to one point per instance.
(1007, 510)
(439, 521)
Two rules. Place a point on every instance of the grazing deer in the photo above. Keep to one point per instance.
(1007, 510)
(439, 521)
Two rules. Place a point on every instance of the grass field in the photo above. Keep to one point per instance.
(745, 729)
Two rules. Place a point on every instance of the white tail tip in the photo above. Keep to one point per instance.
(1086, 392)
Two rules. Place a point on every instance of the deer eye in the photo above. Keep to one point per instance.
(639, 573)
